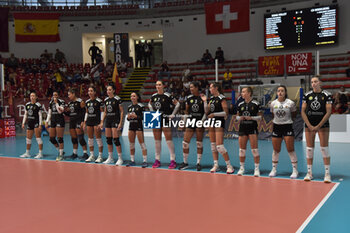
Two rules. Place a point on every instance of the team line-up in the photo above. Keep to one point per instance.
(96, 114)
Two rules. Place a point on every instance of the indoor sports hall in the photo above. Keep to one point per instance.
(58, 50)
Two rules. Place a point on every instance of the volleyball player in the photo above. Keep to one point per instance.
(249, 113)
(33, 113)
(94, 114)
(164, 103)
(114, 121)
(316, 110)
(76, 111)
(283, 112)
(135, 115)
(56, 121)
(218, 111)
(195, 108)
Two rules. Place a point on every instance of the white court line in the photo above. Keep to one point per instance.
(318, 207)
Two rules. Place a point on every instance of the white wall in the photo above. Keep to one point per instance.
(183, 41)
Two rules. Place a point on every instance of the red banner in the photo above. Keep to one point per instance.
(299, 63)
(227, 17)
(271, 65)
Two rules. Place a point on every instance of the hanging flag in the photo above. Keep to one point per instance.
(36, 27)
(4, 35)
(116, 79)
(227, 17)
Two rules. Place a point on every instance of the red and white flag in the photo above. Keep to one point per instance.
(227, 17)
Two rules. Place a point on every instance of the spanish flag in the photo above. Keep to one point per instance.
(116, 79)
(36, 27)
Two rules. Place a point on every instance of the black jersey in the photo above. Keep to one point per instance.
(316, 104)
(215, 104)
(76, 112)
(249, 109)
(163, 103)
(196, 106)
(94, 109)
(55, 115)
(112, 106)
(33, 111)
(138, 109)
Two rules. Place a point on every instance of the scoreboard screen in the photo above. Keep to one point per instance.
(308, 27)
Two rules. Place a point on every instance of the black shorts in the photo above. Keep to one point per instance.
(315, 122)
(280, 131)
(75, 124)
(247, 129)
(32, 125)
(112, 123)
(57, 123)
(133, 126)
(92, 121)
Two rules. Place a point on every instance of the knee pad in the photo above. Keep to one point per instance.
(185, 145)
(60, 140)
(91, 142)
(74, 141)
(116, 141)
(242, 152)
(309, 152)
(143, 146)
(221, 148)
(293, 157)
(255, 152)
(109, 141)
(39, 141)
(325, 152)
(28, 141)
(132, 145)
(99, 142)
(213, 147)
(199, 144)
(275, 156)
(53, 140)
(82, 140)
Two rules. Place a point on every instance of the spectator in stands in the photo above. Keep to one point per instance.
(138, 54)
(186, 87)
(164, 70)
(338, 106)
(182, 101)
(219, 54)
(99, 57)
(171, 86)
(93, 51)
(147, 51)
(122, 66)
(109, 66)
(59, 85)
(204, 84)
(46, 55)
(95, 74)
(86, 76)
(226, 83)
(186, 73)
(49, 90)
(348, 71)
(207, 59)
(59, 56)
(12, 62)
(76, 76)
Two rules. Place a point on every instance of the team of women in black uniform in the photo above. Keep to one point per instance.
(93, 114)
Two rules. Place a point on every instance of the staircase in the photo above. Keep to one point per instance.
(134, 83)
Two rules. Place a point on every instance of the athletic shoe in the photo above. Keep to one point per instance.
(99, 159)
(327, 178)
(256, 172)
(241, 171)
(156, 164)
(109, 160)
(131, 163)
(273, 172)
(90, 159)
(294, 175)
(74, 156)
(25, 155)
(308, 177)
(59, 158)
(199, 167)
(230, 169)
(183, 166)
(172, 164)
(215, 168)
(38, 156)
(85, 156)
(119, 162)
(144, 164)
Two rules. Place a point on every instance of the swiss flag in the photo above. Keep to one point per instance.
(227, 17)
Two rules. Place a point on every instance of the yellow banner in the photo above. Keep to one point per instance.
(36, 27)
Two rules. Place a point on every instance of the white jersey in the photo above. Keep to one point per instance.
(283, 111)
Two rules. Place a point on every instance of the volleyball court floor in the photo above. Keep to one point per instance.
(73, 196)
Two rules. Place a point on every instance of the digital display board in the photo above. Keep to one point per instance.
(308, 27)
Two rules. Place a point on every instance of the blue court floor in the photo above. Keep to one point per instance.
(333, 216)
